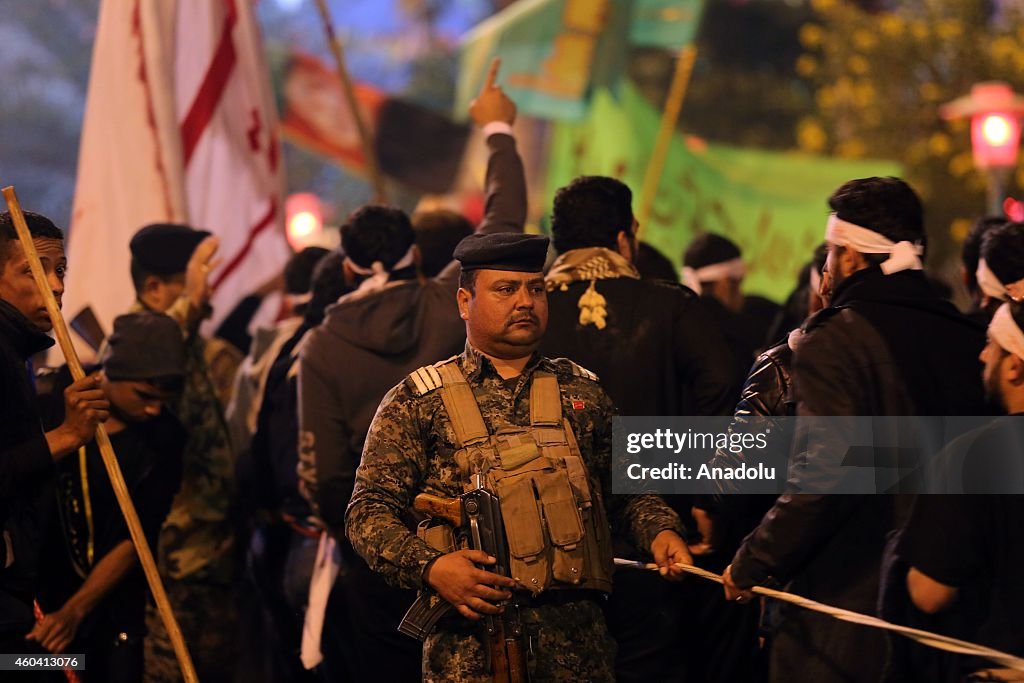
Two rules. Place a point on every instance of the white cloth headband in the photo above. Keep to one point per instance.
(733, 268)
(992, 286)
(377, 275)
(1004, 331)
(902, 255)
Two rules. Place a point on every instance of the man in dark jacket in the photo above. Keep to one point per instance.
(27, 453)
(656, 352)
(886, 346)
(1000, 269)
(392, 324)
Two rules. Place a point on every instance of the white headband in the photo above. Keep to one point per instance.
(377, 274)
(992, 286)
(902, 255)
(733, 268)
(1004, 331)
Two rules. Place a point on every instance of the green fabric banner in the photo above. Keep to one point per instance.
(669, 24)
(554, 52)
(773, 205)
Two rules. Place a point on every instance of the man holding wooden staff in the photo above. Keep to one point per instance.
(27, 454)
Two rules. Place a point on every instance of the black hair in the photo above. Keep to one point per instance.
(437, 233)
(590, 212)
(377, 233)
(970, 251)
(298, 273)
(467, 281)
(708, 248)
(328, 285)
(1002, 247)
(653, 265)
(888, 206)
(38, 226)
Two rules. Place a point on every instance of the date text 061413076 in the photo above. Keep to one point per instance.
(16, 662)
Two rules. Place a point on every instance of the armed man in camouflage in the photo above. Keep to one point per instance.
(196, 550)
(539, 430)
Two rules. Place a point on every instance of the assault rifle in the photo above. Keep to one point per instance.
(478, 515)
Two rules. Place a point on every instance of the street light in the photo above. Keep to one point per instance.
(304, 216)
(995, 111)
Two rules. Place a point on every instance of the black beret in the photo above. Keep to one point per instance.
(144, 346)
(503, 251)
(165, 248)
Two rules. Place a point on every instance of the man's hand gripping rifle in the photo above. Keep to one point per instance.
(477, 516)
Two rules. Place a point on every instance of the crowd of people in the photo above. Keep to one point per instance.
(280, 477)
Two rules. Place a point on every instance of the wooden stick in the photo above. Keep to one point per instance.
(373, 168)
(669, 118)
(124, 500)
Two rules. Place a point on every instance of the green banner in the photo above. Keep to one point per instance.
(774, 205)
(554, 52)
(665, 23)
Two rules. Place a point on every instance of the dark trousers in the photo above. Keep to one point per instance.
(360, 640)
(687, 631)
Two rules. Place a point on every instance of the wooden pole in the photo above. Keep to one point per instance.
(124, 500)
(372, 167)
(669, 118)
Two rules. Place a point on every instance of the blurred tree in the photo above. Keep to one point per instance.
(743, 91)
(879, 79)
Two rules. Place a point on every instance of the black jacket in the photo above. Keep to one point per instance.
(26, 468)
(887, 346)
(660, 353)
(766, 395)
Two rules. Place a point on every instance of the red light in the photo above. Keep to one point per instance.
(305, 219)
(1013, 209)
(995, 137)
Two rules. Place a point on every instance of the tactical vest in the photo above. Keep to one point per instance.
(555, 522)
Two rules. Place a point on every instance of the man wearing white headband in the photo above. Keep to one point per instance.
(970, 256)
(985, 530)
(713, 267)
(395, 322)
(887, 345)
(1000, 270)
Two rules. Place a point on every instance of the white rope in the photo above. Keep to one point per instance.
(935, 640)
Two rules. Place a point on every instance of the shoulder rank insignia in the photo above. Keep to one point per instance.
(579, 370)
(424, 380)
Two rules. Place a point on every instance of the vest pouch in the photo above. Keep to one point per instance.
(565, 528)
(597, 544)
(515, 448)
(438, 535)
(529, 564)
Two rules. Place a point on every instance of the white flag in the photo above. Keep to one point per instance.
(179, 127)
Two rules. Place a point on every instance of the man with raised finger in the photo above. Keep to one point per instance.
(537, 431)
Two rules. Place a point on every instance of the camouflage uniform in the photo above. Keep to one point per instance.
(410, 449)
(196, 548)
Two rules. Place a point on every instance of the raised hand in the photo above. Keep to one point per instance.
(492, 104)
